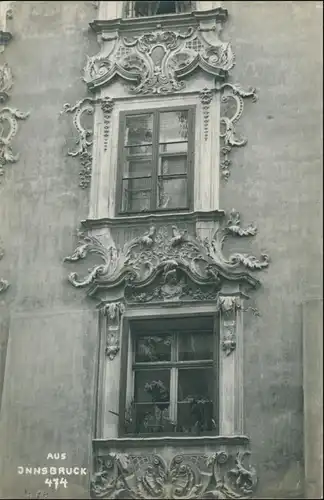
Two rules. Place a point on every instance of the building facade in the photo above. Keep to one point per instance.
(171, 345)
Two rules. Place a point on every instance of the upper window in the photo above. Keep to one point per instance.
(155, 8)
(172, 387)
(155, 160)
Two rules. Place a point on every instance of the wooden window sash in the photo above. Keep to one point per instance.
(155, 156)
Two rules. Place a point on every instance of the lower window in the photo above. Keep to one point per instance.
(172, 384)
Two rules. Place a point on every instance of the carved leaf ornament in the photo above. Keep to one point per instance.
(169, 253)
(157, 62)
(218, 475)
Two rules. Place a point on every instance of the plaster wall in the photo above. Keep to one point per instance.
(47, 368)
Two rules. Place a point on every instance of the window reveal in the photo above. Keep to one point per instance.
(174, 382)
(156, 160)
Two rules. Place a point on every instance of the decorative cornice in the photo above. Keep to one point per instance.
(173, 441)
(219, 474)
(215, 16)
(163, 218)
(233, 94)
(157, 60)
(159, 253)
(84, 141)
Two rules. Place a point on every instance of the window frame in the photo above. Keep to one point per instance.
(127, 378)
(121, 158)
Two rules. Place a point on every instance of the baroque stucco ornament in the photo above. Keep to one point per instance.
(113, 312)
(169, 253)
(3, 283)
(6, 13)
(158, 61)
(84, 141)
(8, 120)
(215, 475)
(232, 109)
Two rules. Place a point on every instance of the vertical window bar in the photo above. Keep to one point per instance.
(155, 158)
(190, 162)
(216, 354)
(121, 161)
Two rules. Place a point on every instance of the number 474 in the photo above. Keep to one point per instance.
(56, 482)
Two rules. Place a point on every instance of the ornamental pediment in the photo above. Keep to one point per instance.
(156, 59)
(166, 262)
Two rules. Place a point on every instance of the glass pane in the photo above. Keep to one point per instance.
(195, 400)
(139, 129)
(153, 386)
(174, 147)
(141, 149)
(136, 195)
(172, 193)
(195, 346)
(173, 126)
(169, 165)
(138, 168)
(151, 418)
(153, 348)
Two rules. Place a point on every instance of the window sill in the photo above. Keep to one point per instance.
(174, 441)
(210, 215)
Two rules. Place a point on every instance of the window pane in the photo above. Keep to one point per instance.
(136, 195)
(174, 147)
(138, 168)
(153, 348)
(173, 126)
(169, 165)
(152, 400)
(153, 386)
(139, 129)
(151, 418)
(195, 400)
(141, 149)
(195, 346)
(172, 193)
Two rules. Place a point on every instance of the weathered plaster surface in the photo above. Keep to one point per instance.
(275, 181)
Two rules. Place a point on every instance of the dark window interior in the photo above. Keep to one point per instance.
(142, 8)
(174, 377)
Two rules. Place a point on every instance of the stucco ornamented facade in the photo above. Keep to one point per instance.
(171, 345)
(178, 260)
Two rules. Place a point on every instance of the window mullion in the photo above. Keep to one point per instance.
(190, 157)
(155, 159)
(121, 162)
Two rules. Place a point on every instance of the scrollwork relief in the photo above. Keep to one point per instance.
(8, 121)
(158, 61)
(3, 283)
(232, 95)
(206, 97)
(215, 475)
(6, 12)
(229, 337)
(167, 253)
(113, 312)
(6, 82)
(84, 141)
